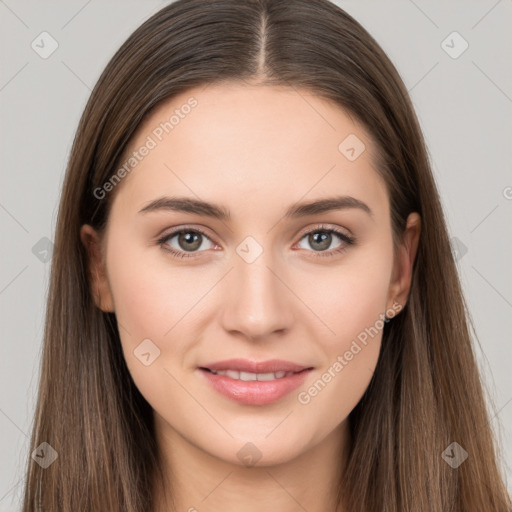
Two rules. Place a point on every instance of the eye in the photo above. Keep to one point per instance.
(187, 240)
(321, 238)
(190, 240)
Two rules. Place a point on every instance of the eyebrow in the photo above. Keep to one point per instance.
(198, 207)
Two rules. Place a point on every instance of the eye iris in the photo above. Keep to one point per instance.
(188, 237)
(325, 240)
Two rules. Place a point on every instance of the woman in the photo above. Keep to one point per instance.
(253, 300)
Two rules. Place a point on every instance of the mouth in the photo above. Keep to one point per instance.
(251, 376)
(255, 387)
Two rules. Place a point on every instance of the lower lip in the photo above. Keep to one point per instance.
(255, 392)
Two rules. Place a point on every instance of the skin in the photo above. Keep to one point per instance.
(255, 150)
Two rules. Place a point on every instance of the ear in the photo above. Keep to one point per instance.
(403, 265)
(97, 269)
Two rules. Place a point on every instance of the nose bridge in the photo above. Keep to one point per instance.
(257, 302)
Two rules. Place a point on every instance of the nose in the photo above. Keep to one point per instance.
(256, 302)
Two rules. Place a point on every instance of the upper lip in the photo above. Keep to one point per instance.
(245, 365)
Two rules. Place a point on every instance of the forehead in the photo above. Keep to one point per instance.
(225, 142)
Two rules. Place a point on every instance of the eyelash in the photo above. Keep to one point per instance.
(348, 240)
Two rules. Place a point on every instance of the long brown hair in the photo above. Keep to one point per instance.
(425, 393)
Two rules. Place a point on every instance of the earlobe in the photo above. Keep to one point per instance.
(403, 266)
(98, 281)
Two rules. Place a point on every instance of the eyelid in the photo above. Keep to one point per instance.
(325, 227)
(193, 228)
(300, 234)
(347, 239)
(167, 236)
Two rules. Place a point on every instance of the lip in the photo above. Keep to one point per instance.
(255, 392)
(245, 365)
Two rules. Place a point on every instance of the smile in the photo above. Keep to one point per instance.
(248, 376)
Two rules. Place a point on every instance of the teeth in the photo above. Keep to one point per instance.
(266, 376)
(249, 376)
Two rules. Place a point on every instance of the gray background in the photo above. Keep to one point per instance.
(464, 106)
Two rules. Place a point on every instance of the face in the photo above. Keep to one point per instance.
(266, 281)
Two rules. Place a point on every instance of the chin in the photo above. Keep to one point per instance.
(266, 452)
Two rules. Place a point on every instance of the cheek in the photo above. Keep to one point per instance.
(150, 295)
(146, 303)
(159, 301)
(349, 298)
(151, 310)
(351, 301)
(351, 357)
